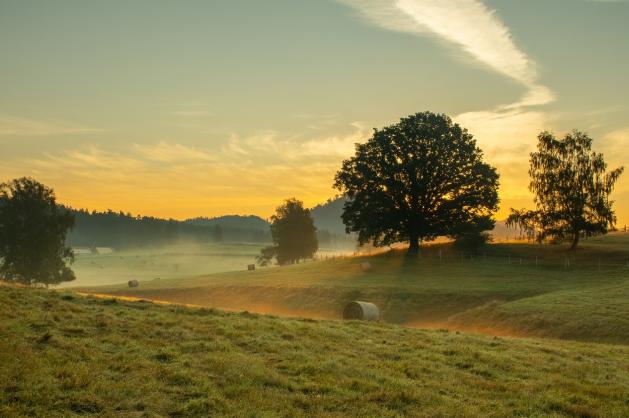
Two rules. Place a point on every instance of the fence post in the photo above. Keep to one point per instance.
(439, 254)
(509, 259)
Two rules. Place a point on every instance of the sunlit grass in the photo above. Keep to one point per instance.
(519, 288)
(65, 355)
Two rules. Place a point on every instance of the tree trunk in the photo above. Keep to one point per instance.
(413, 248)
(575, 241)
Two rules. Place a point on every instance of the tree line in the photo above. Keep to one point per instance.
(413, 181)
(425, 177)
(120, 231)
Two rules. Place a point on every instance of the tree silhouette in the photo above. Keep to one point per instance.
(418, 179)
(571, 188)
(33, 229)
(294, 235)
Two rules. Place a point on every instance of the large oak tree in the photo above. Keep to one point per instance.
(33, 230)
(416, 180)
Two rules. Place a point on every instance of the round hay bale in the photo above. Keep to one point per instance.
(361, 310)
(365, 266)
(133, 283)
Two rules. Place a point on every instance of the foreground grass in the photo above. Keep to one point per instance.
(64, 355)
(516, 289)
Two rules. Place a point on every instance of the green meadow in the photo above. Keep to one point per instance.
(513, 330)
(66, 355)
(505, 289)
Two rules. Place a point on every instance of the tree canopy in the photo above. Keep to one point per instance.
(571, 188)
(416, 180)
(294, 234)
(33, 230)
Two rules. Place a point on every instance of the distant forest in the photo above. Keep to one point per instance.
(120, 230)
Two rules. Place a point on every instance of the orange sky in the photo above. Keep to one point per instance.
(231, 107)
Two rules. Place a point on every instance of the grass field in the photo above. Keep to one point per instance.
(507, 289)
(65, 355)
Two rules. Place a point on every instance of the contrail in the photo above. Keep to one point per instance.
(471, 27)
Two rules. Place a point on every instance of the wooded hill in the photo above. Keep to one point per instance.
(119, 230)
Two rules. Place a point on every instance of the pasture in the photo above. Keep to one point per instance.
(66, 355)
(506, 289)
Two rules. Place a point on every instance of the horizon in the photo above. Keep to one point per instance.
(178, 112)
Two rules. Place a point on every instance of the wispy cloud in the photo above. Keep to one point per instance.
(468, 25)
(172, 152)
(19, 126)
(272, 145)
(248, 174)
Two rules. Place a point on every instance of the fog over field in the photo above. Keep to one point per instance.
(181, 260)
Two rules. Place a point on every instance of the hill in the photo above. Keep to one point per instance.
(122, 231)
(507, 288)
(65, 355)
(327, 216)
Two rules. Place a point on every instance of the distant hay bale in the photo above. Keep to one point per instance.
(133, 283)
(251, 267)
(361, 310)
(365, 266)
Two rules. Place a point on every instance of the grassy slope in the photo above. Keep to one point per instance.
(584, 301)
(63, 355)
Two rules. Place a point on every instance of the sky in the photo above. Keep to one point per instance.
(203, 108)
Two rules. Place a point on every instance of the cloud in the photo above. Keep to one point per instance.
(172, 152)
(248, 174)
(470, 26)
(272, 145)
(614, 146)
(504, 135)
(18, 126)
